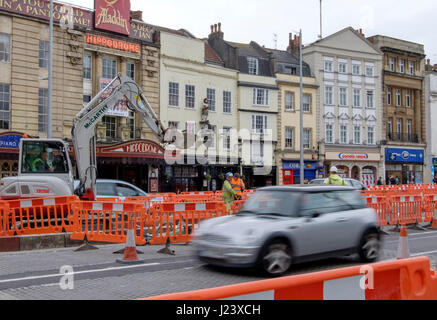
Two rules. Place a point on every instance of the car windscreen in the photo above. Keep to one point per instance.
(275, 203)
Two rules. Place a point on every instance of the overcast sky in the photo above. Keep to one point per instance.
(260, 20)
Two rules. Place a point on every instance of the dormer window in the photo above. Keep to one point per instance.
(253, 65)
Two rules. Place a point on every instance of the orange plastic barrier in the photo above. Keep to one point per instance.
(382, 207)
(405, 279)
(408, 208)
(429, 207)
(176, 221)
(4, 219)
(236, 206)
(39, 216)
(108, 222)
(202, 193)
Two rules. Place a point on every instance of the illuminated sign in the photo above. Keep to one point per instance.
(112, 43)
(113, 15)
(138, 147)
(352, 156)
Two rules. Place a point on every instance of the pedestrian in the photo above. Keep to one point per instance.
(379, 182)
(228, 194)
(392, 180)
(334, 178)
(397, 181)
(238, 185)
(435, 179)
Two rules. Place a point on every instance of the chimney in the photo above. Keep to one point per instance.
(429, 66)
(294, 43)
(137, 15)
(216, 31)
(360, 31)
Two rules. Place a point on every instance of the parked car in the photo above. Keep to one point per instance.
(279, 226)
(115, 188)
(350, 182)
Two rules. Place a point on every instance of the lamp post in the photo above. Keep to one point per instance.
(302, 174)
(50, 76)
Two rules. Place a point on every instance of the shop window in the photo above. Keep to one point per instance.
(43, 54)
(9, 168)
(5, 47)
(5, 104)
(43, 102)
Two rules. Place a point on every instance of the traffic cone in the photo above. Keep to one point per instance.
(130, 251)
(434, 220)
(403, 251)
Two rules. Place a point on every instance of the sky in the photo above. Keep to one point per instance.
(264, 21)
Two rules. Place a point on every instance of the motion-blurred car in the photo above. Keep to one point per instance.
(115, 188)
(279, 226)
(350, 182)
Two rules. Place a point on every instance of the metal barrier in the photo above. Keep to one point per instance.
(405, 279)
(108, 222)
(176, 221)
(39, 216)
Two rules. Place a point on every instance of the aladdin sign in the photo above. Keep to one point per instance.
(113, 15)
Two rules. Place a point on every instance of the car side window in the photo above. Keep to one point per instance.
(352, 199)
(105, 189)
(126, 191)
(321, 203)
(357, 185)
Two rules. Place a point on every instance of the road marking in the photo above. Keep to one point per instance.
(409, 239)
(423, 253)
(79, 272)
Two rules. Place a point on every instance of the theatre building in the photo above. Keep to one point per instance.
(89, 49)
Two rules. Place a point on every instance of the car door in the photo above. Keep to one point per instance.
(105, 189)
(124, 190)
(322, 227)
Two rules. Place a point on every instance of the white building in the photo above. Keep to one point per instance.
(431, 128)
(348, 69)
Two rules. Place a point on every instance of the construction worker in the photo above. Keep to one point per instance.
(41, 164)
(228, 194)
(334, 178)
(238, 185)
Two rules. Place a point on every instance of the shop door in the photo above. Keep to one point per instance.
(287, 176)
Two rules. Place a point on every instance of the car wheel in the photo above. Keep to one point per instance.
(369, 247)
(275, 258)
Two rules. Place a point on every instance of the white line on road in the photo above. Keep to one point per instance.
(79, 272)
(411, 239)
(422, 253)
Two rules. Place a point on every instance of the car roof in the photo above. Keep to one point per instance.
(307, 188)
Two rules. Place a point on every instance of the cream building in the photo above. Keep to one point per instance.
(190, 73)
(348, 69)
(287, 152)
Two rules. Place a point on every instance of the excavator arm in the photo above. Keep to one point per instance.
(84, 127)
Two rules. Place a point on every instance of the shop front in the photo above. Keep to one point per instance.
(361, 166)
(9, 152)
(404, 164)
(291, 171)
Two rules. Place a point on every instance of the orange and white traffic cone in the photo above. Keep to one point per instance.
(403, 251)
(130, 251)
(434, 220)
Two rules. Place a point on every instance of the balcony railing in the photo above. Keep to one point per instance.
(403, 137)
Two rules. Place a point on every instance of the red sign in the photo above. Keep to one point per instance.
(112, 43)
(135, 148)
(153, 185)
(113, 15)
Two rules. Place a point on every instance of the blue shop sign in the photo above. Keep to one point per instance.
(10, 141)
(295, 165)
(404, 155)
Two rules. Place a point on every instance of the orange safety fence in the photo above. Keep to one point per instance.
(4, 222)
(39, 216)
(236, 206)
(407, 209)
(176, 221)
(202, 193)
(404, 279)
(382, 208)
(108, 222)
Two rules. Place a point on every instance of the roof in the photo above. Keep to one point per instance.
(283, 57)
(307, 188)
(211, 55)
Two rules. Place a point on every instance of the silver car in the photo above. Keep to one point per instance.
(279, 226)
(115, 188)
(350, 182)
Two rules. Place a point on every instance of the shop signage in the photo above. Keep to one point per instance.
(41, 9)
(10, 141)
(352, 156)
(295, 165)
(113, 43)
(404, 155)
(139, 147)
(113, 15)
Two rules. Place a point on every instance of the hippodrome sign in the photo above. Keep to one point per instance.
(113, 15)
(112, 43)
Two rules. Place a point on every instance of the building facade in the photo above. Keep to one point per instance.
(85, 58)
(404, 108)
(199, 97)
(347, 68)
(431, 120)
(287, 152)
(257, 106)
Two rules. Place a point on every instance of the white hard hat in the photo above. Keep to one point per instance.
(333, 169)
